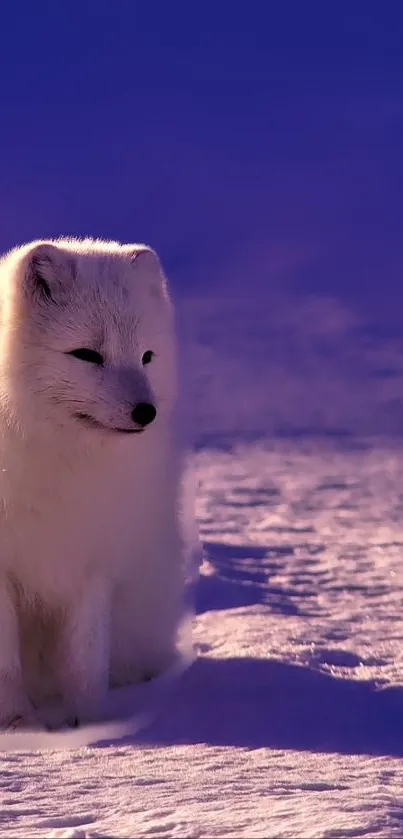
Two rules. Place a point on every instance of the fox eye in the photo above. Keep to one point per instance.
(147, 356)
(85, 354)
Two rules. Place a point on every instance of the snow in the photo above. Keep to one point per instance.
(289, 723)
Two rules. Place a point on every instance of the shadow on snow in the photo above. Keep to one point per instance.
(257, 703)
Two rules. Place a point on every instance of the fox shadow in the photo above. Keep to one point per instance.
(255, 703)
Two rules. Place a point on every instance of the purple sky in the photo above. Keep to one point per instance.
(210, 130)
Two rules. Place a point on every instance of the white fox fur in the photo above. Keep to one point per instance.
(91, 554)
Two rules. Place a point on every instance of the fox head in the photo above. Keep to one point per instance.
(86, 338)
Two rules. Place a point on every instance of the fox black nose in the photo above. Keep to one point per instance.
(144, 413)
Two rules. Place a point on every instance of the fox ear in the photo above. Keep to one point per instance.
(49, 272)
(148, 268)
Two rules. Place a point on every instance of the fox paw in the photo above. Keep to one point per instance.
(26, 721)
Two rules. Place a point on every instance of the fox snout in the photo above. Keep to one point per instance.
(144, 413)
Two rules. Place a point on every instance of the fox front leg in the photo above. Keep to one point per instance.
(16, 710)
(83, 653)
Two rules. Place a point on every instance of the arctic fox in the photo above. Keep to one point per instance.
(91, 552)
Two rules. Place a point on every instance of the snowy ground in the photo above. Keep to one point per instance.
(290, 722)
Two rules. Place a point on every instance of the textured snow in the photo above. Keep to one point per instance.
(290, 721)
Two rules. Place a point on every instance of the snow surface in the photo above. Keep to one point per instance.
(290, 721)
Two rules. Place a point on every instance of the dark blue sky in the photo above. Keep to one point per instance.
(210, 130)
